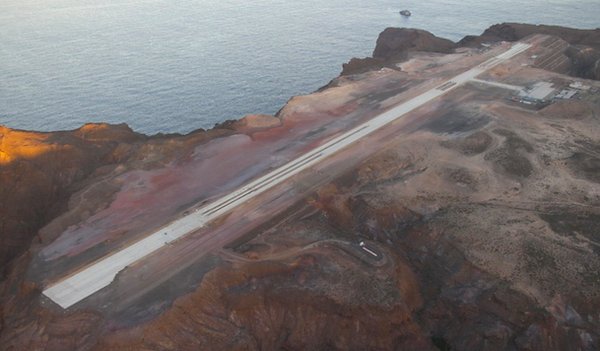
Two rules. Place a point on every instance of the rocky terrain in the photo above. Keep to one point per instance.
(39, 172)
(581, 51)
(394, 44)
(485, 214)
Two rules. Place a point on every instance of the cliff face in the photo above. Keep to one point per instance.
(39, 172)
(394, 44)
(482, 214)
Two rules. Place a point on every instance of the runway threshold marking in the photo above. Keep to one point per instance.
(97, 275)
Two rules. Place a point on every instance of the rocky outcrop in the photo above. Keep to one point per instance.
(286, 305)
(585, 61)
(583, 52)
(517, 31)
(40, 171)
(361, 65)
(393, 44)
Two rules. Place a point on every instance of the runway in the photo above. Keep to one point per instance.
(101, 273)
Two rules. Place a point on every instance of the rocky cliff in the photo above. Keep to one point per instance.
(40, 171)
(582, 54)
(394, 44)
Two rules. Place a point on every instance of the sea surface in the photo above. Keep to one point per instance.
(176, 66)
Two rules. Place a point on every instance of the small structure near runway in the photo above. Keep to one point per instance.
(539, 92)
(367, 249)
(566, 94)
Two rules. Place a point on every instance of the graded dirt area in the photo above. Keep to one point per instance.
(482, 213)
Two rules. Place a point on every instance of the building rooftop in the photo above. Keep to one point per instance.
(539, 91)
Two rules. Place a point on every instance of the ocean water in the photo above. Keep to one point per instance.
(175, 66)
